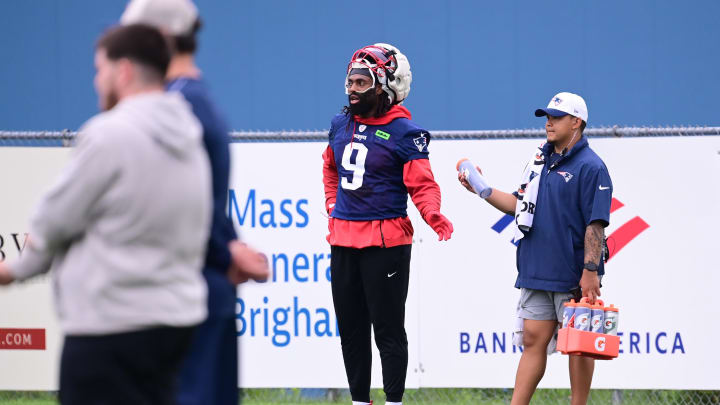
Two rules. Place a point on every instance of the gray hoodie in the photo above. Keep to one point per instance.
(126, 224)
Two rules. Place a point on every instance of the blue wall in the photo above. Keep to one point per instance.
(280, 64)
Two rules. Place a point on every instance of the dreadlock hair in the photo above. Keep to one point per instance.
(382, 107)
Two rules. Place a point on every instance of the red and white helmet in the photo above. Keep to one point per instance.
(389, 67)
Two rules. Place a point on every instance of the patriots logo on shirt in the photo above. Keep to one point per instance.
(539, 159)
(539, 155)
(567, 176)
(420, 142)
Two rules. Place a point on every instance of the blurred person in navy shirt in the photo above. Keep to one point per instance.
(210, 373)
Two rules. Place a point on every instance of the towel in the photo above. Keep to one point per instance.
(527, 193)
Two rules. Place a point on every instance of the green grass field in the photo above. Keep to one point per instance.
(27, 398)
(432, 396)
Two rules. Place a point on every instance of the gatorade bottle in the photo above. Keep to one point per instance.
(568, 314)
(582, 315)
(611, 320)
(475, 179)
(597, 317)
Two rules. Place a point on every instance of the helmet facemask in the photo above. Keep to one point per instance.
(380, 62)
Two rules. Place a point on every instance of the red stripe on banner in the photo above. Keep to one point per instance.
(623, 235)
(22, 339)
(615, 205)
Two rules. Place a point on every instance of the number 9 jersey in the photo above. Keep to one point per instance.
(370, 156)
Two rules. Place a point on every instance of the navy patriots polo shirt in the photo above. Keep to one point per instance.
(574, 191)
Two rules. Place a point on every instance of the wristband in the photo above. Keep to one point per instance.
(590, 266)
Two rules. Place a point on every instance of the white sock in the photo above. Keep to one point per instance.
(393, 403)
(360, 403)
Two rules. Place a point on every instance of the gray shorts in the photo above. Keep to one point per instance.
(542, 305)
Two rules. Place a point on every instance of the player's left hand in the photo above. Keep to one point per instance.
(441, 225)
(590, 285)
(5, 276)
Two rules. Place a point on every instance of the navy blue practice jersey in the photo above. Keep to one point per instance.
(370, 161)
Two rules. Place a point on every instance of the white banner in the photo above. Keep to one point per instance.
(461, 304)
(24, 174)
(662, 280)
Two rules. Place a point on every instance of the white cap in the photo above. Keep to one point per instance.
(175, 17)
(565, 104)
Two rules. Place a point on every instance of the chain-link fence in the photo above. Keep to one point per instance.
(65, 138)
(435, 396)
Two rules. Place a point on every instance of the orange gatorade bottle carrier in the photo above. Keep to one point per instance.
(576, 337)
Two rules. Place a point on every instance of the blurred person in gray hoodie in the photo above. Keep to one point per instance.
(125, 228)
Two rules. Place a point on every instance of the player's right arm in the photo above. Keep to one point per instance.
(504, 202)
(330, 172)
(330, 179)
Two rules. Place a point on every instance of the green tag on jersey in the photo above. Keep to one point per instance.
(382, 134)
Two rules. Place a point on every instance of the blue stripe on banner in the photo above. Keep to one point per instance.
(502, 223)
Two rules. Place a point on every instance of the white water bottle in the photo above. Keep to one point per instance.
(476, 180)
